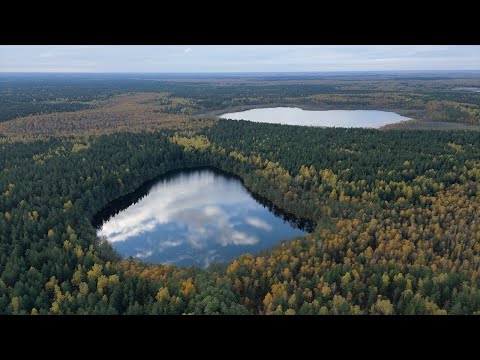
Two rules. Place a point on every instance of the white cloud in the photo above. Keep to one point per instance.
(238, 58)
(144, 254)
(170, 243)
(240, 238)
(258, 223)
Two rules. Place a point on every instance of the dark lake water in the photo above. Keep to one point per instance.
(194, 217)
(329, 118)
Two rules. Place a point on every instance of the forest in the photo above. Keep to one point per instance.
(103, 103)
(396, 214)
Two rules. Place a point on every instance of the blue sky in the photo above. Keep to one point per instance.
(236, 58)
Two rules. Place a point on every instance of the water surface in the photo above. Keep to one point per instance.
(194, 217)
(329, 118)
(468, 89)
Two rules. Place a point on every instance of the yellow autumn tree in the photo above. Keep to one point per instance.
(382, 307)
(15, 303)
(102, 282)
(83, 288)
(55, 308)
(188, 288)
(163, 294)
(95, 272)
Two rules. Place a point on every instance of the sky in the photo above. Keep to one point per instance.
(236, 58)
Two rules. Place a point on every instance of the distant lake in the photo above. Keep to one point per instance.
(194, 217)
(328, 118)
(467, 89)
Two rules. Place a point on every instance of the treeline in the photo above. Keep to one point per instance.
(396, 212)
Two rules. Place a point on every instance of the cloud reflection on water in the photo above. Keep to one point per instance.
(190, 218)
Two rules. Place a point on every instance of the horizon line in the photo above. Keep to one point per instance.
(241, 72)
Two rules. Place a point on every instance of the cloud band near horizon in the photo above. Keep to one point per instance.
(236, 58)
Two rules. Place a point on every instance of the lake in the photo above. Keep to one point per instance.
(328, 118)
(467, 89)
(194, 217)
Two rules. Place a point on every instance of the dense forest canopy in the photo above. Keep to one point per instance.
(395, 212)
